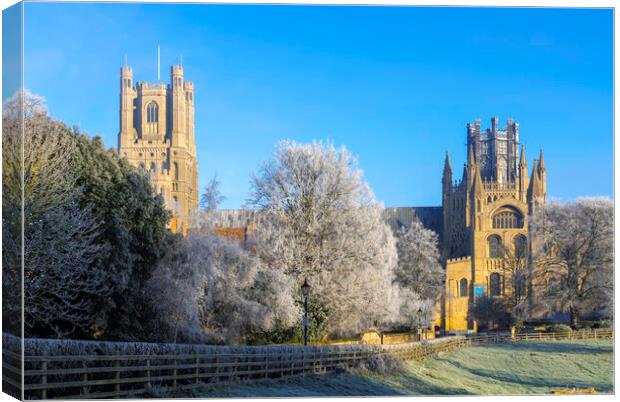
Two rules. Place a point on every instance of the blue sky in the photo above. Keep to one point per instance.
(395, 85)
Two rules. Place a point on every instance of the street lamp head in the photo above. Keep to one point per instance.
(419, 313)
(305, 287)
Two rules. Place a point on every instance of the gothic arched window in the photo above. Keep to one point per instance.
(494, 284)
(152, 117)
(463, 287)
(507, 219)
(175, 204)
(520, 246)
(152, 113)
(495, 246)
(142, 167)
(153, 168)
(176, 171)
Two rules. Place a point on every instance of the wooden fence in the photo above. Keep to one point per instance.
(92, 375)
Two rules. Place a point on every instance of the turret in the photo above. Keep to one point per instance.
(189, 106)
(477, 194)
(522, 179)
(178, 110)
(446, 179)
(471, 166)
(478, 188)
(128, 94)
(535, 191)
(542, 175)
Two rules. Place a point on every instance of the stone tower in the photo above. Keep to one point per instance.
(157, 135)
(485, 213)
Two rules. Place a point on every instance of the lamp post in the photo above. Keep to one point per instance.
(305, 289)
(419, 315)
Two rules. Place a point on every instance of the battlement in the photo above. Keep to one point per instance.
(142, 85)
(176, 69)
(511, 129)
(189, 85)
(458, 259)
(457, 186)
(126, 71)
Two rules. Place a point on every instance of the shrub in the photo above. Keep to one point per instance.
(561, 328)
(384, 363)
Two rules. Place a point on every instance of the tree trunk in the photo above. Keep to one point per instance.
(574, 317)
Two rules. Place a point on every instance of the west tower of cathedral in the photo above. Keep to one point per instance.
(485, 215)
(157, 135)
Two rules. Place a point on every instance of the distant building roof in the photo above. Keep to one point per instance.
(431, 217)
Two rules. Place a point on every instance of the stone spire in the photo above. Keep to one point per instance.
(542, 175)
(541, 162)
(522, 178)
(446, 180)
(478, 188)
(471, 161)
(522, 158)
(471, 167)
(534, 190)
(447, 168)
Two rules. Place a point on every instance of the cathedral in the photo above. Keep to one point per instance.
(482, 215)
(157, 135)
(485, 213)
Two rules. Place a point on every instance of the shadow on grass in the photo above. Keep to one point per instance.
(334, 384)
(413, 384)
(556, 347)
(530, 381)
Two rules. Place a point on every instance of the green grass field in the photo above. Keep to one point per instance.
(519, 368)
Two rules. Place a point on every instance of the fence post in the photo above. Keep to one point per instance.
(197, 371)
(174, 373)
(84, 378)
(44, 379)
(148, 371)
(117, 373)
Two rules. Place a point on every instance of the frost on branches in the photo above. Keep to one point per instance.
(320, 220)
(419, 268)
(60, 282)
(213, 290)
(573, 251)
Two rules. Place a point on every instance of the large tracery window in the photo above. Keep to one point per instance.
(495, 244)
(152, 118)
(507, 219)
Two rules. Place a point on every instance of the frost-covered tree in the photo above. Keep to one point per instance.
(410, 304)
(212, 289)
(93, 229)
(60, 283)
(573, 256)
(516, 278)
(320, 220)
(419, 267)
(212, 197)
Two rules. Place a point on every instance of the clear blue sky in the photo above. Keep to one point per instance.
(396, 85)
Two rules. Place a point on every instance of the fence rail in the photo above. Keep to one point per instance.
(91, 375)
